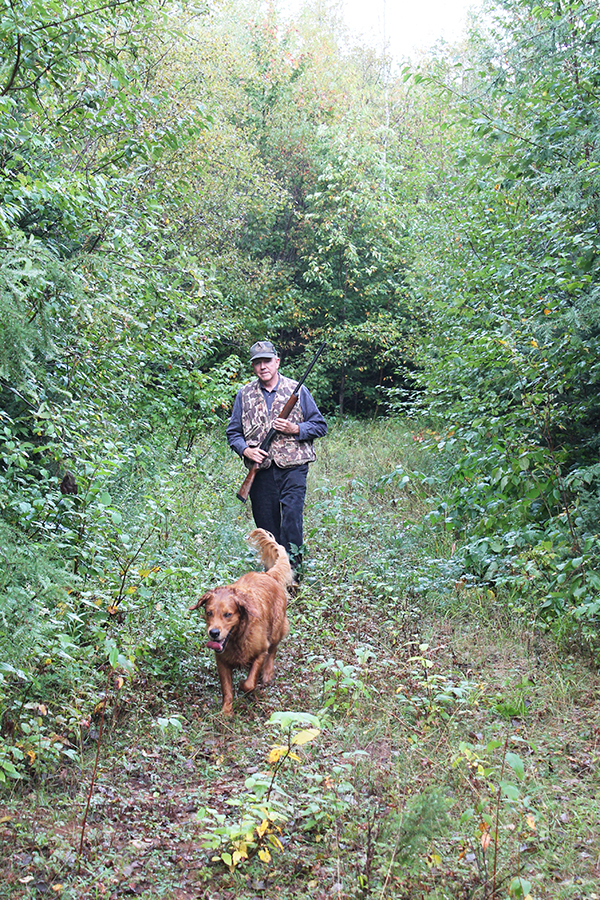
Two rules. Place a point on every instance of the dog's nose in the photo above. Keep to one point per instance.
(214, 633)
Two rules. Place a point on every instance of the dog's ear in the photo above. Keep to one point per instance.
(202, 601)
(245, 603)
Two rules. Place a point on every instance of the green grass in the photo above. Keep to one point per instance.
(423, 691)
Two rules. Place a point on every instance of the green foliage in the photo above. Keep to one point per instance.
(431, 696)
(314, 256)
(87, 579)
(342, 686)
(500, 801)
(352, 257)
(96, 286)
(505, 273)
(108, 335)
(423, 820)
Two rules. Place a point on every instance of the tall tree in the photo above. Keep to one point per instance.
(507, 272)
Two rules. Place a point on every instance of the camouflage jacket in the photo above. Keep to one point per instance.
(285, 450)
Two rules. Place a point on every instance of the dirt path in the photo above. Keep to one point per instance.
(410, 706)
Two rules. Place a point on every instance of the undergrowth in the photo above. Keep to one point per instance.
(424, 737)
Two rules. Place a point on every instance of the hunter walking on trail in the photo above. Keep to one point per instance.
(279, 488)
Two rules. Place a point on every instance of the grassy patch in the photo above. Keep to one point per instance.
(456, 752)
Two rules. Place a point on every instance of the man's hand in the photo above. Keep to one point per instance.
(255, 454)
(286, 427)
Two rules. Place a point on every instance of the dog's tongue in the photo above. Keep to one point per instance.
(214, 645)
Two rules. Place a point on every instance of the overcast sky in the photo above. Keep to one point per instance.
(409, 25)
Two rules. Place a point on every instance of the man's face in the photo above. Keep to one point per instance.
(265, 369)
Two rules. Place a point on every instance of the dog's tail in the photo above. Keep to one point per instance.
(272, 555)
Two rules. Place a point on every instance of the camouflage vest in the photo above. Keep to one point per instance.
(286, 450)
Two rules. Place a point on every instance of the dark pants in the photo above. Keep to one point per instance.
(277, 498)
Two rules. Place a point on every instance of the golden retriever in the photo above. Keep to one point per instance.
(247, 620)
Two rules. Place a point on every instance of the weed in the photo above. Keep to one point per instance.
(263, 805)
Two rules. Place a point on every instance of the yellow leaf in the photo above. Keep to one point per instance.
(264, 855)
(486, 840)
(531, 821)
(303, 737)
(264, 826)
(276, 754)
(275, 842)
(57, 888)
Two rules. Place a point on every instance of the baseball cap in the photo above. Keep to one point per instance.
(262, 350)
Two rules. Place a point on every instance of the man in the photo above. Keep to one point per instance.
(279, 489)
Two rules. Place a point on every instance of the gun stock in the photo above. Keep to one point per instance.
(243, 492)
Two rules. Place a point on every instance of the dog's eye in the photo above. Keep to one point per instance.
(209, 613)
(227, 615)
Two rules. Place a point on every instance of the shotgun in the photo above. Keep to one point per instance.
(243, 492)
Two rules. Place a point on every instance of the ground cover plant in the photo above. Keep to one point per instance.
(422, 738)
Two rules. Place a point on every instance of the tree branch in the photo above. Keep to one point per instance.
(11, 80)
(82, 15)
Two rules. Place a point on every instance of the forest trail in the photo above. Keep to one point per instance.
(174, 187)
(409, 703)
